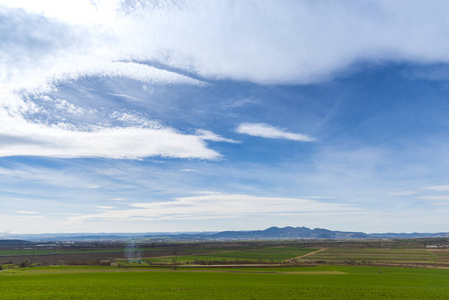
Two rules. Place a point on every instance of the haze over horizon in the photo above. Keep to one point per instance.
(161, 116)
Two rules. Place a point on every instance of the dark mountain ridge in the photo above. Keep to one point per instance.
(317, 233)
(289, 232)
(14, 242)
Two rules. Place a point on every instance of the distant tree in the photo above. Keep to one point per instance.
(24, 264)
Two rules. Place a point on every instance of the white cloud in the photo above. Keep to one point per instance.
(92, 186)
(48, 42)
(437, 188)
(287, 41)
(20, 137)
(104, 207)
(73, 12)
(38, 51)
(140, 72)
(402, 193)
(207, 193)
(219, 205)
(435, 198)
(26, 223)
(259, 41)
(130, 142)
(132, 119)
(210, 136)
(118, 199)
(268, 131)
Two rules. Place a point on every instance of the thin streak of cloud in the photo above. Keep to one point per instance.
(402, 193)
(268, 131)
(435, 198)
(438, 188)
(93, 186)
(104, 207)
(118, 199)
(210, 136)
(221, 205)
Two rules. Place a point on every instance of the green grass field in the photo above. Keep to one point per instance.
(378, 255)
(269, 254)
(326, 282)
(339, 279)
(82, 251)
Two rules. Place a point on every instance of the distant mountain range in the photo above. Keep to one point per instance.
(317, 233)
(270, 233)
(290, 233)
(14, 242)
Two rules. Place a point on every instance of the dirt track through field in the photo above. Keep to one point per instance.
(302, 256)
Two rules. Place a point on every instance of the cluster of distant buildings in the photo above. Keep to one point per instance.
(437, 246)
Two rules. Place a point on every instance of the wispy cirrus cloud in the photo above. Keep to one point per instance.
(402, 193)
(438, 188)
(221, 205)
(271, 132)
(210, 136)
(104, 207)
(435, 197)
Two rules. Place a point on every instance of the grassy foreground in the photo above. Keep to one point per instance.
(327, 282)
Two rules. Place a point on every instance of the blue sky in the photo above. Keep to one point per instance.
(143, 116)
